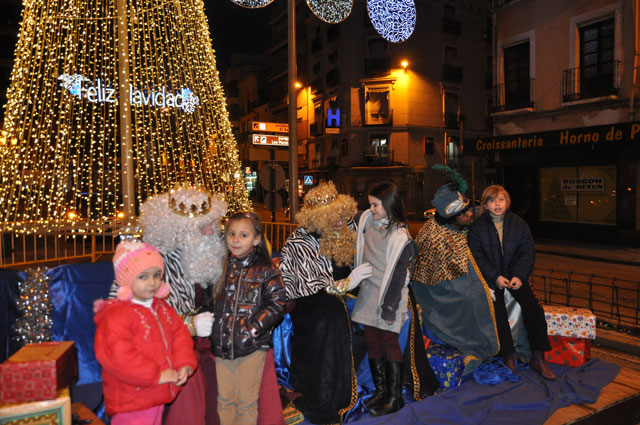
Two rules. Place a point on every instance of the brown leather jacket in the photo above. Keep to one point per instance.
(253, 297)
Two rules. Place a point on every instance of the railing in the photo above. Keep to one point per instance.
(27, 250)
(601, 79)
(21, 251)
(516, 94)
(612, 300)
(379, 117)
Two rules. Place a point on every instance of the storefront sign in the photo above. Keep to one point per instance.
(103, 92)
(611, 134)
(582, 184)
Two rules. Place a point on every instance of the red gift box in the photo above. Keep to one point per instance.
(37, 371)
(569, 351)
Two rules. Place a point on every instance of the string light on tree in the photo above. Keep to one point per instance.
(88, 72)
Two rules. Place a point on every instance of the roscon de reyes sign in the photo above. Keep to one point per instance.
(611, 134)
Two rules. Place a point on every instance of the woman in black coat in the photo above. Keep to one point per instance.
(502, 245)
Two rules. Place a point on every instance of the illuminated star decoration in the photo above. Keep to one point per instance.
(332, 12)
(190, 101)
(72, 82)
(394, 20)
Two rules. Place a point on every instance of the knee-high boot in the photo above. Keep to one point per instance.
(394, 401)
(378, 374)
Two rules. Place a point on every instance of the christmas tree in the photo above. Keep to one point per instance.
(111, 101)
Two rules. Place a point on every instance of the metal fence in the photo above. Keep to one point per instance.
(614, 301)
(21, 250)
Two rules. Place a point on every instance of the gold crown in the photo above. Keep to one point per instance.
(322, 195)
(189, 201)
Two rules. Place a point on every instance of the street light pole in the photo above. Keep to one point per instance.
(293, 114)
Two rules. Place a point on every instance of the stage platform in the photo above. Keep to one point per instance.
(618, 404)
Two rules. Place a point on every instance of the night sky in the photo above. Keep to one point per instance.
(236, 29)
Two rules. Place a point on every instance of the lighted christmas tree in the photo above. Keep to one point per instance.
(112, 101)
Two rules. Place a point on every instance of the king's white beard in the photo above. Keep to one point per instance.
(202, 258)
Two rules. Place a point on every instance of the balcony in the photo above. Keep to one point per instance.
(451, 73)
(517, 94)
(379, 117)
(586, 82)
(376, 66)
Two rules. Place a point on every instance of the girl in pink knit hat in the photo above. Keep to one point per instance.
(144, 348)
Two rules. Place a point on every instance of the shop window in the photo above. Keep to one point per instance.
(578, 194)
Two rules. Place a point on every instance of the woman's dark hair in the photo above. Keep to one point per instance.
(261, 249)
(392, 203)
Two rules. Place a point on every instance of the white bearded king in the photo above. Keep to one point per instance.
(184, 224)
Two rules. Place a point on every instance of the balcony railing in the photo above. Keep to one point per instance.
(585, 82)
(379, 117)
(517, 94)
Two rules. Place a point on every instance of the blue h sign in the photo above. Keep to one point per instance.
(333, 118)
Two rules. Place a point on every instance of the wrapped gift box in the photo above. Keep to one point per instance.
(568, 351)
(570, 332)
(570, 322)
(38, 371)
(447, 363)
(49, 412)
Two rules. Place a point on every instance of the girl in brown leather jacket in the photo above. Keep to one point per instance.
(247, 305)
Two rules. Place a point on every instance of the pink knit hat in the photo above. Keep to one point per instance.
(132, 257)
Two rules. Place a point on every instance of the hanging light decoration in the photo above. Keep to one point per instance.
(332, 12)
(394, 20)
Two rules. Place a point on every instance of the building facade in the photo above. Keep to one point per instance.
(370, 110)
(566, 140)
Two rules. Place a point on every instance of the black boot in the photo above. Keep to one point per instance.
(510, 362)
(379, 380)
(394, 401)
(539, 364)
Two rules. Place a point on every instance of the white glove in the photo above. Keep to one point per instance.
(359, 274)
(493, 294)
(204, 324)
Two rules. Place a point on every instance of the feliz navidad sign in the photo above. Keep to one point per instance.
(100, 92)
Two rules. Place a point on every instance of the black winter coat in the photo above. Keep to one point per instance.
(517, 243)
(253, 297)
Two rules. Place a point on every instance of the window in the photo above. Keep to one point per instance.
(597, 65)
(451, 110)
(376, 106)
(578, 194)
(517, 84)
(378, 146)
(450, 55)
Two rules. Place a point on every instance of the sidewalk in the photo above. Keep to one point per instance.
(590, 251)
